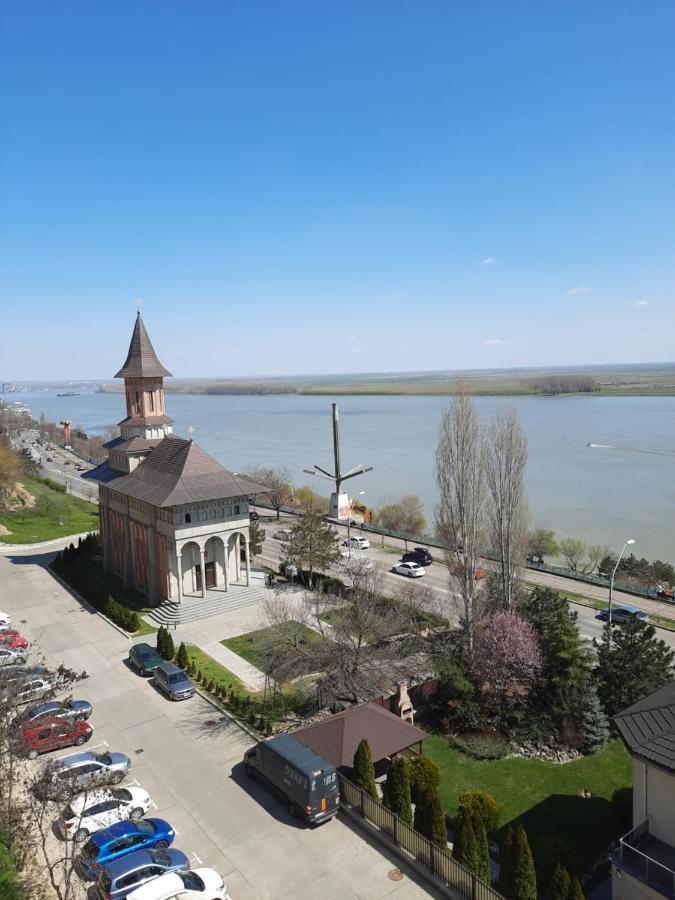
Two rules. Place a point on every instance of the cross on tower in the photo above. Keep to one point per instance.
(138, 304)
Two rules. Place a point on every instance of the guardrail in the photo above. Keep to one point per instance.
(641, 864)
(436, 862)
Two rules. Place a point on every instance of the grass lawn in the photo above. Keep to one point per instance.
(251, 646)
(545, 795)
(43, 521)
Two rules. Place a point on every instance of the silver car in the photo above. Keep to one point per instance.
(73, 710)
(80, 771)
(9, 657)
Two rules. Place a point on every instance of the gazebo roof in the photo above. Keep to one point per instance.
(141, 361)
(175, 473)
(337, 737)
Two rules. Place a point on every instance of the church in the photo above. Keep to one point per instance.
(173, 521)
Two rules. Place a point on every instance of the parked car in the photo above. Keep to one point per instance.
(144, 659)
(8, 632)
(419, 555)
(30, 688)
(411, 569)
(622, 614)
(120, 840)
(80, 771)
(79, 467)
(306, 781)
(356, 540)
(197, 883)
(121, 876)
(49, 459)
(284, 535)
(13, 642)
(5, 619)
(75, 710)
(253, 516)
(66, 462)
(93, 810)
(53, 734)
(12, 657)
(172, 681)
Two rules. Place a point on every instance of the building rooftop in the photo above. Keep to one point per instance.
(175, 473)
(648, 727)
(337, 737)
(141, 361)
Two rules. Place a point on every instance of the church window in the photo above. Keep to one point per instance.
(152, 401)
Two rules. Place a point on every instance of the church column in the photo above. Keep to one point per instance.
(128, 553)
(248, 563)
(179, 570)
(227, 564)
(202, 569)
(237, 558)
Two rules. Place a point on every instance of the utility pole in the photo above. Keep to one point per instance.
(339, 502)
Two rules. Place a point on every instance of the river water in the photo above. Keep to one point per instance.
(599, 468)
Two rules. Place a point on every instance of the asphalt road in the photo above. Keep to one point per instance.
(189, 759)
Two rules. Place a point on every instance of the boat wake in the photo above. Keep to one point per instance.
(650, 450)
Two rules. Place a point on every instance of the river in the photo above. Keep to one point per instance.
(599, 468)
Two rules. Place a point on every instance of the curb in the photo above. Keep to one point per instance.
(68, 538)
(71, 590)
(228, 715)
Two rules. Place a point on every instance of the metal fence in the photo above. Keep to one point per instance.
(437, 861)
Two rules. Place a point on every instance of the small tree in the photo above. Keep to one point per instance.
(311, 545)
(541, 542)
(412, 517)
(559, 885)
(506, 655)
(168, 650)
(278, 483)
(182, 659)
(484, 805)
(482, 848)
(396, 790)
(595, 723)
(363, 771)
(423, 773)
(576, 891)
(430, 819)
(161, 631)
(464, 848)
(256, 538)
(506, 850)
(524, 878)
(573, 550)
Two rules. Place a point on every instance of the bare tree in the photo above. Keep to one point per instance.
(573, 549)
(460, 516)
(596, 553)
(505, 456)
(278, 481)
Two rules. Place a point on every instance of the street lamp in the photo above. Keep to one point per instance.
(611, 581)
(349, 527)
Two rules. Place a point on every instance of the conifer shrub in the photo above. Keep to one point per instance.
(423, 772)
(524, 878)
(485, 805)
(559, 884)
(429, 817)
(396, 790)
(363, 772)
(182, 658)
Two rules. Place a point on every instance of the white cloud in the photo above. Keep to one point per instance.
(493, 342)
(488, 260)
(352, 339)
(578, 290)
(639, 303)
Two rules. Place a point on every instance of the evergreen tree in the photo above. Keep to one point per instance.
(559, 885)
(576, 891)
(363, 772)
(485, 805)
(461, 843)
(524, 884)
(396, 790)
(595, 723)
(182, 658)
(482, 847)
(256, 538)
(631, 665)
(160, 641)
(169, 648)
(505, 882)
(565, 675)
(311, 545)
(430, 819)
(423, 772)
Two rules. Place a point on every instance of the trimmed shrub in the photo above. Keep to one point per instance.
(396, 791)
(505, 881)
(363, 773)
(429, 817)
(169, 647)
(524, 878)
(484, 805)
(559, 885)
(548, 852)
(422, 772)
(481, 746)
(182, 658)
(576, 892)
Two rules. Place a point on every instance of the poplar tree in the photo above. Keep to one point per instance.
(506, 847)
(524, 877)
(430, 819)
(363, 771)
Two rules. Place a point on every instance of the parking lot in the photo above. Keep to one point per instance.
(188, 756)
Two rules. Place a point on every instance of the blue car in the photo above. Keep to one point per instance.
(110, 843)
(120, 877)
(622, 614)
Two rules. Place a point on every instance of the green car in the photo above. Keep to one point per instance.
(144, 659)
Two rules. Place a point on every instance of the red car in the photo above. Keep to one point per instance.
(13, 642)
(477, 572)
(8, 632)
(53, 734)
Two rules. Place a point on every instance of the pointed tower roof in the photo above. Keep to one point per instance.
(141, 361)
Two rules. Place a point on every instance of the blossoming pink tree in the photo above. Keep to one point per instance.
(506, 656)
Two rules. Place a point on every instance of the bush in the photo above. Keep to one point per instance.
(549, 852)
(481, 746)
(484, 805)
(182, 658)
(363, 773)
(396, 790)
(422, 772)
(429, 817)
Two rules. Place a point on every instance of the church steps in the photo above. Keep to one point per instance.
(193, 609)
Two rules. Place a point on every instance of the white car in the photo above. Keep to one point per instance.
(12, 657)
(92, 810)
(284, 535)
(204, 883)
(357, 541)
(5, 620)
(411, 569)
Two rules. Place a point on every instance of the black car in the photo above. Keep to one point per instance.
(419, 555)
(73, 710)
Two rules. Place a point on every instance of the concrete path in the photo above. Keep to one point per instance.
(253, 678)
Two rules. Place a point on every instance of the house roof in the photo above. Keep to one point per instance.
(176, 472)
(141, 361)
(337, 737)
(648, 727)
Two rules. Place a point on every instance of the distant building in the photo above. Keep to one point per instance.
(644, 866)
(173, 521)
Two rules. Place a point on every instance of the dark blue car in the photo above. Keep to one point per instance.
(110, 843)
(120, 877)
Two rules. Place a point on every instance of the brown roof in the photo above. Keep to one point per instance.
(176, 472)
(132, 445)
(648, 727)
(141, 361)
(337, 737)
(149, 421)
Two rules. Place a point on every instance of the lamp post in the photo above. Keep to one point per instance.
(611, 581)
(349, 527)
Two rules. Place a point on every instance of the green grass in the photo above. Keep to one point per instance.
(251, 646)
(42, 522)
(545, 795)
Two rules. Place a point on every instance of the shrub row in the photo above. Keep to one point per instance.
(243, 706)
(94, 592)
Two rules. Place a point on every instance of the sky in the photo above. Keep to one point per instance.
(329, 187)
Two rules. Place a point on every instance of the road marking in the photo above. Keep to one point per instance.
(194, 858)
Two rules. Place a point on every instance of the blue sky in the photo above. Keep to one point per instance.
(312, 187)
